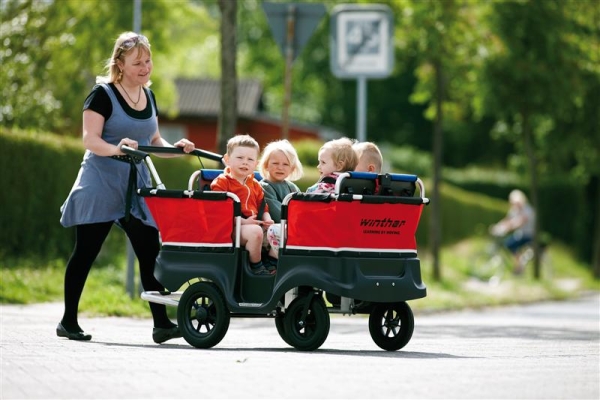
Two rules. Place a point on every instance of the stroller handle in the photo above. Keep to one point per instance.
(133, 152)
(178, 150)
(146, 157)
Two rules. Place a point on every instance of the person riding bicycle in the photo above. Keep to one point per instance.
(518, 224)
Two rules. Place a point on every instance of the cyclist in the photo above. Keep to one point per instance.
(517, 226)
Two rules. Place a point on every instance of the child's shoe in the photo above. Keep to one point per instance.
(259, 268)
(270, 264)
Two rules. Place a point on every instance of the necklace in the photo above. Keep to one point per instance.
(135, 103)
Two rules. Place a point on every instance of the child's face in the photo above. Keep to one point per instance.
(326, 165)
(242, 161)
(278, 166)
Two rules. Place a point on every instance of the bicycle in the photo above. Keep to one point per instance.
(495, 262)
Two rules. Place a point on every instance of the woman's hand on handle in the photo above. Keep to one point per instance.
(126, 142)
(186, 145)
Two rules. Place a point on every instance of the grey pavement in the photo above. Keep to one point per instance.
(541, 351)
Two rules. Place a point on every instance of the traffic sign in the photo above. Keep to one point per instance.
(361, 40)
(306, 18)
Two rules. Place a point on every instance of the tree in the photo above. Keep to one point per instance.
(444, 37)
(228, 111)
(53, 50)
(536, 79)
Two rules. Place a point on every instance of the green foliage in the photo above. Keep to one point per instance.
(406, 159)
(52, 53)
(308, 151)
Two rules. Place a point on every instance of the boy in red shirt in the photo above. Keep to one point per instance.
(238, 178)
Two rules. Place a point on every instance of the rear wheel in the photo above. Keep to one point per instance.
(202, 315)
(306, 323)
(391, 325)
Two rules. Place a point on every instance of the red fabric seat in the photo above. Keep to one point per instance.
(352, 226)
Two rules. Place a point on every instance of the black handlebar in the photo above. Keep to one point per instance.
(133, 152)
(143, 151)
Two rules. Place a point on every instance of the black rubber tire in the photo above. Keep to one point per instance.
(202, 315)
(281, 329)
(391, 325)
(313, 333)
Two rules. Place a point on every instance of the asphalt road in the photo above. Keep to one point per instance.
(540, 351)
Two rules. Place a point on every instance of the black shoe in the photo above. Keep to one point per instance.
(270, 264)
(161, 335)
(62, 332)
(260, 270)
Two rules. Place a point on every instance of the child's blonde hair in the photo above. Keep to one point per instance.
(371, 152)
(342, 152)
(289, 151)
(244, 141)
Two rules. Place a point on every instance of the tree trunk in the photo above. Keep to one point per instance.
(595, 210)
(229, 99)
(435, 224)
(534, 195)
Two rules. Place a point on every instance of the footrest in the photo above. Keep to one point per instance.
(171, 299)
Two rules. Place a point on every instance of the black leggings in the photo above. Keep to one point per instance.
(89, 240)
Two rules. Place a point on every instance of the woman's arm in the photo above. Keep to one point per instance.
(93, 123)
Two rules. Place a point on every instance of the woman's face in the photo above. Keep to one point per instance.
(136, 67)
(278, 166)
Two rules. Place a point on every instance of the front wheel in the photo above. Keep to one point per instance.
(391, 325)
(202, 315)
(306, 323)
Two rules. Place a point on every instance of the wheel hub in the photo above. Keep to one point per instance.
(201, 314)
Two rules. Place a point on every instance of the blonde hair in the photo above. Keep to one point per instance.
(289, 151)
(342, 152)
(243, 141)
(371, 153)
(517, 197)
(125, 43)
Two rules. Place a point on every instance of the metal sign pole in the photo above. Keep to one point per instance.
(361, 106)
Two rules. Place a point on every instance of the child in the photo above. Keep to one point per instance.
(279, 166)
(334, 156)
(369, 157)
(241, 160)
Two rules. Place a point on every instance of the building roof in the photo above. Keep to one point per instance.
(202, 97)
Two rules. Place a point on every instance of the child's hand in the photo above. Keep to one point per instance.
(251, 221)
(267, 220)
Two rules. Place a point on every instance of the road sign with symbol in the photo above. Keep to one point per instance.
(361, 41)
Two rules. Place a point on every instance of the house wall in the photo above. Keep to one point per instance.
(204, 132)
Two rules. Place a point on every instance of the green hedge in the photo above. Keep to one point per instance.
(38, 171)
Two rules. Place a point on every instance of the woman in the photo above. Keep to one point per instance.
(519, 225)
(120, 110)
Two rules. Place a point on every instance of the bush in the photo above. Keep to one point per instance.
(308, 151)
(406, 160)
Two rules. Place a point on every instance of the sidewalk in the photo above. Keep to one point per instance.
(121, 361)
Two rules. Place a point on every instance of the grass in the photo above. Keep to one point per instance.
(34, 281)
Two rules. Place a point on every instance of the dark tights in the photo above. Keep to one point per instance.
(89, 240)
